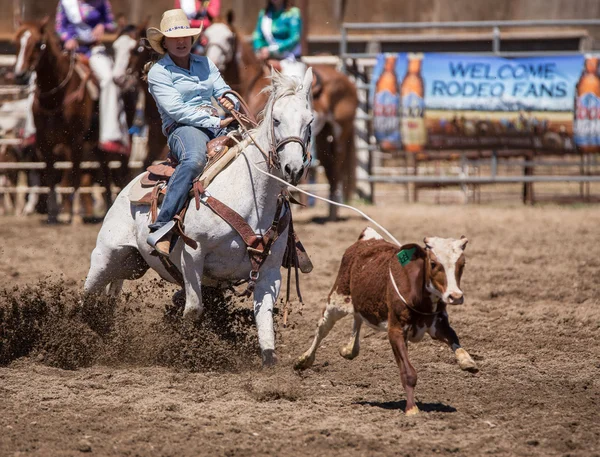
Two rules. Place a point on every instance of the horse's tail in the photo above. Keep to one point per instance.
(349, 167)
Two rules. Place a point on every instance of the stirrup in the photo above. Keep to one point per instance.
(155, 237)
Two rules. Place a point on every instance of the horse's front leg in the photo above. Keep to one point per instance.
(265, 296)
(192, 266)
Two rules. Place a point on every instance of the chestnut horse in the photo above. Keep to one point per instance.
(63, 111)
(334, 103)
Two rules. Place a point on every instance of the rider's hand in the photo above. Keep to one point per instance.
(225, 122)
(98, 32)
(227, 104)
(263, 53)
(71, 45)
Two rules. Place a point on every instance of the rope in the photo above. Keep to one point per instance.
(341, 205)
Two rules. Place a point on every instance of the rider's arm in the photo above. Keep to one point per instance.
(64, 28)
(294, 24)
(108, 19)
(168, 98)
(219, 85)
(258, 39)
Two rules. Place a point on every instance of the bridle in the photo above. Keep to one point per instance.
(43, 46)
(272, 156)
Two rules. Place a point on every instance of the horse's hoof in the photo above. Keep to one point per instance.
(192, 314)
(348, 353)
(412, 411)
(304, 362)
(465, 362)
(269, 359)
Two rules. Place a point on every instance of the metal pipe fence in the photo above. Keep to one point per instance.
(350, 62)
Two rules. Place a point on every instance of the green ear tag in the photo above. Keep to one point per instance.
(405, 256)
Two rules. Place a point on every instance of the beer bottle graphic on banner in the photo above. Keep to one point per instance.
(386, 107)
(412, 91)
(586, 128)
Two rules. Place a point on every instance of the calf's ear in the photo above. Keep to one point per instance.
(463, 242)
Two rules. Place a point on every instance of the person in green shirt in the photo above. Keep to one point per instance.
(276, 38)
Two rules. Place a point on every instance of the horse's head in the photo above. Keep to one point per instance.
(220, 44)
(131, 54)
(30, 42)
(288, 117)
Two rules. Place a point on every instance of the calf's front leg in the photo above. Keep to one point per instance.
(408, 374)
(443, 332)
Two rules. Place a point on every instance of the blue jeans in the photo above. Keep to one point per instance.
(188, 148)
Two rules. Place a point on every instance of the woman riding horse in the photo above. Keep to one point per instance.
(276, 38)
(81, 25)
(182, 85)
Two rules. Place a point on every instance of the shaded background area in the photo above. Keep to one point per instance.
(325, 17)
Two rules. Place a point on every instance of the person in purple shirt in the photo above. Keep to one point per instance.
(81, 25)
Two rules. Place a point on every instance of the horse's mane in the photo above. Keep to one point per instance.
(281, 86)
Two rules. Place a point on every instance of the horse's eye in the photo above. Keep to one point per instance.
(276, 122)
(433, 264)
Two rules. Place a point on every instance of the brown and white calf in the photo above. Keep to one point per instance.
(403, 291)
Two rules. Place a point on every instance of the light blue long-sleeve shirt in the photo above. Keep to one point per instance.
(180, 94)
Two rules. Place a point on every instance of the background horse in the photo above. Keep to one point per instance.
(130, 78)
(335, 103)
(63, 112)
(122, 252)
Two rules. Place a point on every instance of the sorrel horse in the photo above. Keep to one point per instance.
(221, 253)
(63, 112)
(334, 103)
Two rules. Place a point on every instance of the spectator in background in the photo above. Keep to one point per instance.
(201, 15)
(276, 38)
(81, 25)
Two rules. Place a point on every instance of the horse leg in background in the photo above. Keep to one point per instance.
(34, 180)
(346, 150)
(76, 152)
(119, 176)
(105, 176)
(86, 199)
(265, 295)
(332, 166)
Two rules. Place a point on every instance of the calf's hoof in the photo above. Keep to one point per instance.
(465, 362)
(304, 362)
(412, 411)
(269, 359)
(348, 353)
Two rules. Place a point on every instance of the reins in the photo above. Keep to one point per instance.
(64, 82)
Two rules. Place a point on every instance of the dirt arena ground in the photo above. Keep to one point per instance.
(531, 320)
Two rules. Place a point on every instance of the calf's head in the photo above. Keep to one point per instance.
(444, 267)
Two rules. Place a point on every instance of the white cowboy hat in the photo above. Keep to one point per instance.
(174, 24)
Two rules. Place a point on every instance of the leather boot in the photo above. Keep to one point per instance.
(163, 247)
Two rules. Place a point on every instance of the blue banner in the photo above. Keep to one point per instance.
(450, 101)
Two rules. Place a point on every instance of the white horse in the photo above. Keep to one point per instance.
(122, 252)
